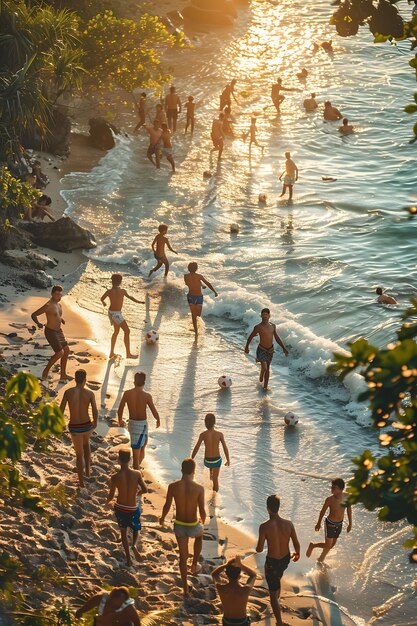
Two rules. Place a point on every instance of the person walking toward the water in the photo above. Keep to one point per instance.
(195, 295)
(53, 332)
(276, 95)
(129, 484)
(188, 497)
(227, 94)
(154, 147)
(252, 134)
(217, 135)
(212, 439)
(190, 111)
(310, 103)
(277, 532)
(336, 506)
(346, 128)
(330, 113)
(383, 298)
(81, 426)
(267, 333)
(114, 608)
(166, 149)
(141, 111)
(138, 400)
(158, 247)
(173, 108)
(233, 595)
(116, 296)
(290, 175)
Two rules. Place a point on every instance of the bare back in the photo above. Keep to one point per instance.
(172, 101)
(137, 401)
(290, 167)
(277, 533)
(127, 481)
(116, 296)
(217, 129)
(160, 243)
(211, 439)
(188, 497)
(79, 400)
(234, 599)
(193, 282)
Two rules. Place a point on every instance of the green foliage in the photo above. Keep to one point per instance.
(388, 483)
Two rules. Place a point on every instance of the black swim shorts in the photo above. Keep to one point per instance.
(274, 569)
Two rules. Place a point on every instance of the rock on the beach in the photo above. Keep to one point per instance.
(101, 133)
(28, 258)
(39, 279)
(63, 235)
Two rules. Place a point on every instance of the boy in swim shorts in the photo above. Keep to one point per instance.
(116, 296)
(334, 520)
(195, 296)
(265, 351)
(158, 247)
(212, 439)
(290, 176)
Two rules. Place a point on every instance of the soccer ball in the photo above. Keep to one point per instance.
(151, 337)
(225, 381)
(290, 419)
(234, 228)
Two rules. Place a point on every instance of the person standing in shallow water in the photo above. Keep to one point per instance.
(158, 247)
(290, 175)
(173, 108)
(277, 532)
(265, 351)
(188, 497)
(195, 296)
(212, 439)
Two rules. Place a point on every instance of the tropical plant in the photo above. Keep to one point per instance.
(16, 197)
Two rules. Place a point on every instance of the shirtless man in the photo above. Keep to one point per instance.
(310, 104)
(116, 296)
(166, 149)
(129, 484)
(190, 111)
(383, 298)
(217, 135)
(80, 425)
(173, 108)
(141, 112)
(113, 609)
(267, 333)
(227, 126)
(158, 247)
(195, 295)
(276, 95)
(138, 401)
(53, 332)
(346, 128)
(277, 532)
(252, 135)
(233, 595)
(160, 115)
(290, 176)
(155, 133)
(188, 497)
(227, 94)
(334, 520)
(330, 113)
(212, 439)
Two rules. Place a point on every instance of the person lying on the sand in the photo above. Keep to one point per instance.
(53, 332)
(233, 595)
(129, 484)
(113, 609)
(80, 424)
(188, 497)
(383, 298)
(212, 439)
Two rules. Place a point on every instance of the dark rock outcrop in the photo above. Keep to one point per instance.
(101, 133)
(63, 235)
(27, 259)
(38, 278)
(57, 138)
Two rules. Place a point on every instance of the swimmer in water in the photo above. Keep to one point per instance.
(310, 104)
(330, 113)
(346, 128)
(383, 298)
(290, 175)
(267, 333)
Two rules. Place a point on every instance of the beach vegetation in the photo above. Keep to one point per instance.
(387, 481)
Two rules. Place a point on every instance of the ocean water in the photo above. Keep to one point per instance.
(314, 262)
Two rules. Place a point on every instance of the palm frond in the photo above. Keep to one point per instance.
(158, 618)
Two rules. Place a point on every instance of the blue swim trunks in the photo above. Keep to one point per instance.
(127, 517)
(213, 462)
(264, 355)
(195, 299)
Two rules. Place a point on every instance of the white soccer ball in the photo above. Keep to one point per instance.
(290, 419)
(151, 337)
(225, 381)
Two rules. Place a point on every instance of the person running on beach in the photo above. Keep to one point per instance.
(195, 295)
(116, 296)
(160, 115)
(310, 103)
(114, 608)
(129, 484)
(276, 95)
(158, 247)
(154, 147)
(383, 298)
(346, 128)
(330, 113)
(267, 333)
(138, 400)
(188, 497)
(277, 532)
(141, 112)
(290, 176)
(227, 125)
(217, 135)
(53, 332)
(166, 149)
(334, 521)
(190, 111)
(81, 426)
(233, 595)
(212, 439)
(252, 134)
(173, 108)
(227, 94)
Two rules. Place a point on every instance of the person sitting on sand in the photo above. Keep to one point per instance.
(154, 147)
(265, 351)
(41, 179)
(116, 296)
(190, 114)
(39, 208)
(113, 609)
(290, 175)
(346, 128)
(252, 134)
(383, 298)
(158, 247)
(217, 135)
(330, 113)
(188, 497)
(129, 484)
(81, 426)
(277, 532)
(138, 400)
(233, 595)
(166, 148)
(195, 296)
(212, 439)
(334, 521)
(310, 104)
(141, 112)
(53, 332)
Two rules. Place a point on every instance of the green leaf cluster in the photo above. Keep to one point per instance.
(15, 197)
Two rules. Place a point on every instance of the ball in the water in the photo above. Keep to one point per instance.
(225, 381)
(151, 337)
(290, 419)
(262, 198)
(234, 228)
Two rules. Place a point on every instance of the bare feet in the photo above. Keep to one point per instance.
(310, 549)
(136, 553)
(112, 356)
(195, 568)
(132, 356)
